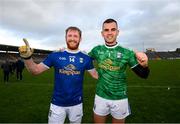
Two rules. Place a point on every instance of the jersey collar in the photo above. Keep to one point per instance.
(110, 47)
(69, 51)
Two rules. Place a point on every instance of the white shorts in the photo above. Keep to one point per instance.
(57, 114)
(119, 109)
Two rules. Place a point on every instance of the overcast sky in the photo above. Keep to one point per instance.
(143, 23)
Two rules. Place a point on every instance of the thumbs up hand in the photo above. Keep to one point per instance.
(25, 51)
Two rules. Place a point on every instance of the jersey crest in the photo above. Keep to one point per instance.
(119, 55)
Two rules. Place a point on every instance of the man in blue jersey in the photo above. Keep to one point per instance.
(69, 66)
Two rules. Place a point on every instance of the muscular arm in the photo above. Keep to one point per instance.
(34, 68)
(93, 73)
(141, 71)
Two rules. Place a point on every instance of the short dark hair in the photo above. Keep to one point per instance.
(74, 28)
(109, 21)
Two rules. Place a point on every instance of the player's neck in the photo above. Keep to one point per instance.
(111, 44)
(72, 51)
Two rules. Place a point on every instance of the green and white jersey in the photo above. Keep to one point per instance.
(112, 63)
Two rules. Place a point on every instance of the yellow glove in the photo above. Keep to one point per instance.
(25, 51)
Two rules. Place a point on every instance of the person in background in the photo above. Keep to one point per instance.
(6, 70)
(19, 69)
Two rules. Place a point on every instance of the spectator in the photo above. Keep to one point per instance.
(6, 69)
(13, 66)
(19, 69)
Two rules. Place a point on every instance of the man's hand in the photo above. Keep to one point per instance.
(62, 49)
(142, 58)
(25, 51)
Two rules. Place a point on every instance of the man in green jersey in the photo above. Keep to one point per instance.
(111, 91)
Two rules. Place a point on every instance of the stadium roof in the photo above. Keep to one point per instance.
(15, 49)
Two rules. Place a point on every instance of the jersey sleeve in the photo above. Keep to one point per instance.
(93, 53)
(132, 60)
(48, 61)
(89, 64)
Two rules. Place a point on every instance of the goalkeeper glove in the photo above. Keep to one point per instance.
(25, 51)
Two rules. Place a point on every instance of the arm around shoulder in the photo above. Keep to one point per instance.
(93, 73)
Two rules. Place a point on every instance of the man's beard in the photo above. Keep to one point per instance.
(75, 47)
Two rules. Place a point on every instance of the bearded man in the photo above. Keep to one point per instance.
(69, 67)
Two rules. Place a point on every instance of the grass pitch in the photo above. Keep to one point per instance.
(155, 100)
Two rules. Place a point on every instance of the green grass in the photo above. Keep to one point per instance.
(28, 101)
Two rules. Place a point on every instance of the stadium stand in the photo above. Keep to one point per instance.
(8, 52)
(154, 55)
(11, 53)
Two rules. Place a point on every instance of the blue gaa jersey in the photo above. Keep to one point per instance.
(69, 72)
